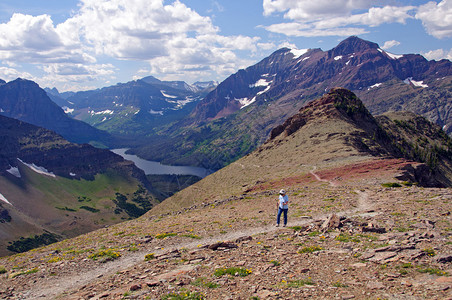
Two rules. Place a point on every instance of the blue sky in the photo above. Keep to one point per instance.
(85, 44)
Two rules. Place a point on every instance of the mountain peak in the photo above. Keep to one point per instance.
(338, 103)
(151, 79)
(353, 44)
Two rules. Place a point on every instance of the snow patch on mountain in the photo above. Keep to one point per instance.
(392, 56)
(245, 101)
(266, 89)
(3, 198)
(298, 52)
(338, 57)
(14, 171)
(167, 95)
(1, 110)
(154, 112)
(260, 82)
(37, 169)
(410, 80)
(68, 110)
(72, 174)
(374, 86)
(104, 112)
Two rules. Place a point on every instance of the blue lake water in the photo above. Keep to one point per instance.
(156, 168)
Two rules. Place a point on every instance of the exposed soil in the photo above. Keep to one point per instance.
(347, 238)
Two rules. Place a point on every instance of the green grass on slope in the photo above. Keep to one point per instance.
(63, 191)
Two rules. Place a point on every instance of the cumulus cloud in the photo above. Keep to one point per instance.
(389, 44)
(438, 54)
(9, 74)
(32, 39)
(332, 18)
(174, 39)
(437, 18)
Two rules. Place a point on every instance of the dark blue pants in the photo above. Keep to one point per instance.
(280, 211)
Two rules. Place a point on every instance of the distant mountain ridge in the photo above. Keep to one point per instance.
(240, 113)
(136, 107)
(26, 101)
(354, 64)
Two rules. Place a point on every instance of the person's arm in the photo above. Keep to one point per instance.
(286, 200)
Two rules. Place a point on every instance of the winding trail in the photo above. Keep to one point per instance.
(56, 286)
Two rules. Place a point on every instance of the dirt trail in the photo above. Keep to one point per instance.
(58, 285)
(331, 182)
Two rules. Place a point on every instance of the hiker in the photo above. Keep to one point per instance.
(283, 207)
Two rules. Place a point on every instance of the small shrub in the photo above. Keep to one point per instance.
(165, 235)
(90, 209)
(299, 283)
(275, 263)
(346, 238)
(234, 271)
(391, 185)
(402, 229)
(310, 249)
(314, 233)
(296, 228)
(149, 256)
(105, 255)
(55, 259)
(3, 270)
(184, 296)
(31, 271)
(432, 271)
(429, 251)
(192, 236)
(202, 281)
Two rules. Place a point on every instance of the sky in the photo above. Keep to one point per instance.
(78, 45)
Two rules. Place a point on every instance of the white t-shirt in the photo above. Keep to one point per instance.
(283, 201)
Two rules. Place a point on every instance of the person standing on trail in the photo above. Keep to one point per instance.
(283, 207)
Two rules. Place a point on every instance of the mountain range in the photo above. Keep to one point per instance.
(238, 115)
(133, 108)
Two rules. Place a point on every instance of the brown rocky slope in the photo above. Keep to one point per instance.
(354, 232)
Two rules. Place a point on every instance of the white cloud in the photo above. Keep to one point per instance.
(333, 18)
(9, 74)
(297, 29)
(32, 39)
(438, 54)
(174, 39)
(389, 44)
(436, 18)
